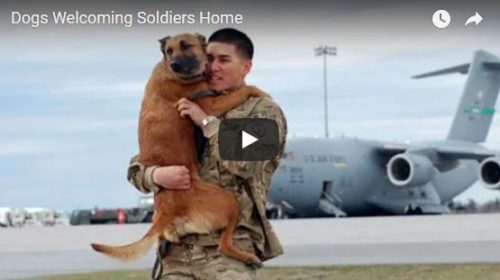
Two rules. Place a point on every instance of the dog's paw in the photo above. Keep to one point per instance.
(256, 92)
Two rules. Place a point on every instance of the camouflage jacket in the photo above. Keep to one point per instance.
(248, 180)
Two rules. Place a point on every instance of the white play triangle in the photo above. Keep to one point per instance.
(247, 139)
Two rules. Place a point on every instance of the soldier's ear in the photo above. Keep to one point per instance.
(202, 39)
(163, 43)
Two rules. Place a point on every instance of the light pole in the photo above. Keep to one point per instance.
(324, 51)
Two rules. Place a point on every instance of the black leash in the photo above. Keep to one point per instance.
(160, 254)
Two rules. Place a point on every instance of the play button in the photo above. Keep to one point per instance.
(248, 139)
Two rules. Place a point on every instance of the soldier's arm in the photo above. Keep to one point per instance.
(153, 178)
(141, 176)
(245, 169)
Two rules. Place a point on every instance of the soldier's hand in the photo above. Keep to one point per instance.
(190, 109)
(173, 177)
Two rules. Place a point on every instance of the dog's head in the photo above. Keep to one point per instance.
(185, 55)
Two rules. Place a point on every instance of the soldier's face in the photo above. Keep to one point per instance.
(226, 68)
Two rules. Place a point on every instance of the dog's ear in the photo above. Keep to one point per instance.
(163, 42)
(203, 40)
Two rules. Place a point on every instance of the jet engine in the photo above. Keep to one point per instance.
(489, 173)
(409, 170)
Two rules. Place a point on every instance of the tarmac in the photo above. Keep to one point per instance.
(38, 251)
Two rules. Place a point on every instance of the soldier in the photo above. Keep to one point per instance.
(230, 54)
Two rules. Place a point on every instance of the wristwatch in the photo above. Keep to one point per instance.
(207, 120)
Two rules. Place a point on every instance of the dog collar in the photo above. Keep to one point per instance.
(192, 79)
(204, 93)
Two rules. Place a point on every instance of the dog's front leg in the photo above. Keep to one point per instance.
(219, 105)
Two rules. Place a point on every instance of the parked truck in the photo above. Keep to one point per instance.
(143, 213)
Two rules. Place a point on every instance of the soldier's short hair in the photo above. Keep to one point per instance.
(240, 40)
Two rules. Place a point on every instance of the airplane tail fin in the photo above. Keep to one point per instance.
(476, 109)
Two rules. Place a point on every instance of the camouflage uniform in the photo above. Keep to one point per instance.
(197, 257)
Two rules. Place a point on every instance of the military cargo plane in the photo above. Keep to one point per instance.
(350, 177)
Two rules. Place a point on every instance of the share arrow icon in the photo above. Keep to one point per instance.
(476, 19)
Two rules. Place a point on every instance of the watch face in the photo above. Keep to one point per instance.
(207, 120)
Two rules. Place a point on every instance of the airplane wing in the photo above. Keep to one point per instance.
(465, 153)
(460, 69)
(453, 152)
(390, 149)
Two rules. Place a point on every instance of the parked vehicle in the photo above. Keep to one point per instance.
(143, 213)
(37, 216)
(12, 217)
(98, 216)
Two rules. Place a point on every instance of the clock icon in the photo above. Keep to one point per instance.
(441, 18)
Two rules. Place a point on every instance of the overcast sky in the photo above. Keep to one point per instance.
(70, 94)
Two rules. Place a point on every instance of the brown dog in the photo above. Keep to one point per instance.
(167, 139)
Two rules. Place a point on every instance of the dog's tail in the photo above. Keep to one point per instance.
(132, 251)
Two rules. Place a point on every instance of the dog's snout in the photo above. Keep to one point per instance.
(175, 65)
(185, 65)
